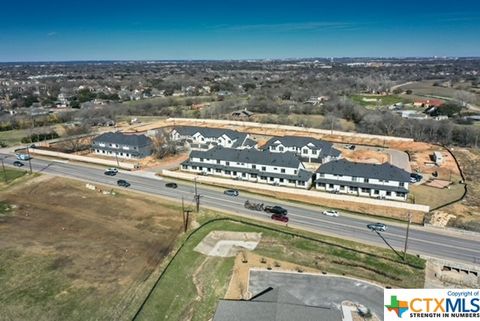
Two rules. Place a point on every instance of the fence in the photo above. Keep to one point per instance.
(84, 159)
(385, 208)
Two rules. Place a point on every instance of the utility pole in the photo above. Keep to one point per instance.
(185, 216)
(29, 160)
(406, 236)
(197, 197)
(4, 172)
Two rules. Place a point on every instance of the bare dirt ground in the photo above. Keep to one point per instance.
(467, 212)
(67, 252)
(365, 156)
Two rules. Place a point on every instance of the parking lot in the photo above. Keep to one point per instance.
(320, 290)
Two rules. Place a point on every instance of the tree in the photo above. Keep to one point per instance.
(450, 108)
(163, 145)
(249, 86)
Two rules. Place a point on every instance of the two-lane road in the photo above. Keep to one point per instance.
(445, 246)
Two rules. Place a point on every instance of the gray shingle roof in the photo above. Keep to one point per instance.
(253, 156)
(277, 305)
(123, 139)
(326, 148)
(210, 132)
(383, 171)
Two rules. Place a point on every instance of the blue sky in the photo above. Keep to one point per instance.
(109, 30)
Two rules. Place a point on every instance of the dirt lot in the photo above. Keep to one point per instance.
(467, 212)
(69, 253)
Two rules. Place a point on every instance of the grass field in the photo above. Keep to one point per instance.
(10, 175)
(69, 253)
(193, 283)
(13, 137)
(384, 100)
(435, 197)
(426, 89)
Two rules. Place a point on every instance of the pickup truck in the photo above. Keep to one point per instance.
(276, 210)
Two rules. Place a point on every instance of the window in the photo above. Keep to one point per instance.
(244, 175)
(314, 152)
(354, 179)
(234, 173)
(201, 159)
(321, 184)
(209, 170)
(367, 180)
(400, 194)
(253, 175)
(282, 170)
(281, 180)
(402, 184)
(200, 168)
(353, 189)
(376, 192)
(218, 161)
(305, 151)
(227, 163)
(194, 167)
(301, 183)
(227, 172)
(263, 178)
(184, 166)
(365, 190)
(280, 148)
(218, 170)
(264, 168)
(291, 181)
(342, 187)
(330, 185)
(254, 166)
(295, 172)
(275, 168)
(389, 193)
(271, 179)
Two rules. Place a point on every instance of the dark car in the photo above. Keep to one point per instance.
(276, 210)
(231, 192)
(380, 227)
(110, 173)
(18, 164)
(280, 217)
(171, 185)
(123, 183)
(414, 177)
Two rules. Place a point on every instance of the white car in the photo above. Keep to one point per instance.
(331, 213)
(112, 169)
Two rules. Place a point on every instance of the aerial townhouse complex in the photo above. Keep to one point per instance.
(226, 153)
(204, 138)
(371, 180)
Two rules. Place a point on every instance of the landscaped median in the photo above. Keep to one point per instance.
(192, 283)
(390, 209)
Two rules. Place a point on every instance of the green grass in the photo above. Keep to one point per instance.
(385, 100)
(13, 137)
(10, 174)
(175, 296)
(436, 197)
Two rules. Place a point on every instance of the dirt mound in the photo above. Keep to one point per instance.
(227, 244)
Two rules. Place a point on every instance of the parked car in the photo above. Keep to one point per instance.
(18, 164)
(380, 227)
(414, 177)
(276, 210)
(231, 192)
(280, 217)
(350, 147)
(112, 169)
(110, 173)
(330, 213)
(123, 183)
(171, 185)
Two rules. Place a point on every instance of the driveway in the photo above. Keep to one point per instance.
(320, 290)
(399, 159)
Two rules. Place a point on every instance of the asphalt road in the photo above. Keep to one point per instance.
(421, 241)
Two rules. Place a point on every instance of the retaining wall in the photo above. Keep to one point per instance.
(85, 159)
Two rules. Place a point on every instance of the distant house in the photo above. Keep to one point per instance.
(308, 149)
(315, 100)
(250, 165)
(122, 145)
(244, 113)
(369, 180)
(430, 102)
(274, 305)
(438, 158)
(203, 138)
(411, 114)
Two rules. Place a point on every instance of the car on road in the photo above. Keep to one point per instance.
(276, 210)
(112, 169)
(24, 157)
(171, 185)
(18, 163)
(331, 213)
(379, 227)
(414, 178)
(280, 217)
(123, 183)
(231, 192)
(110, 173)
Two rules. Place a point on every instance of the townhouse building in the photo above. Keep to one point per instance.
(122, 145)
(308, 149)
(383, 181)
(252, 165)
(204, 138)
